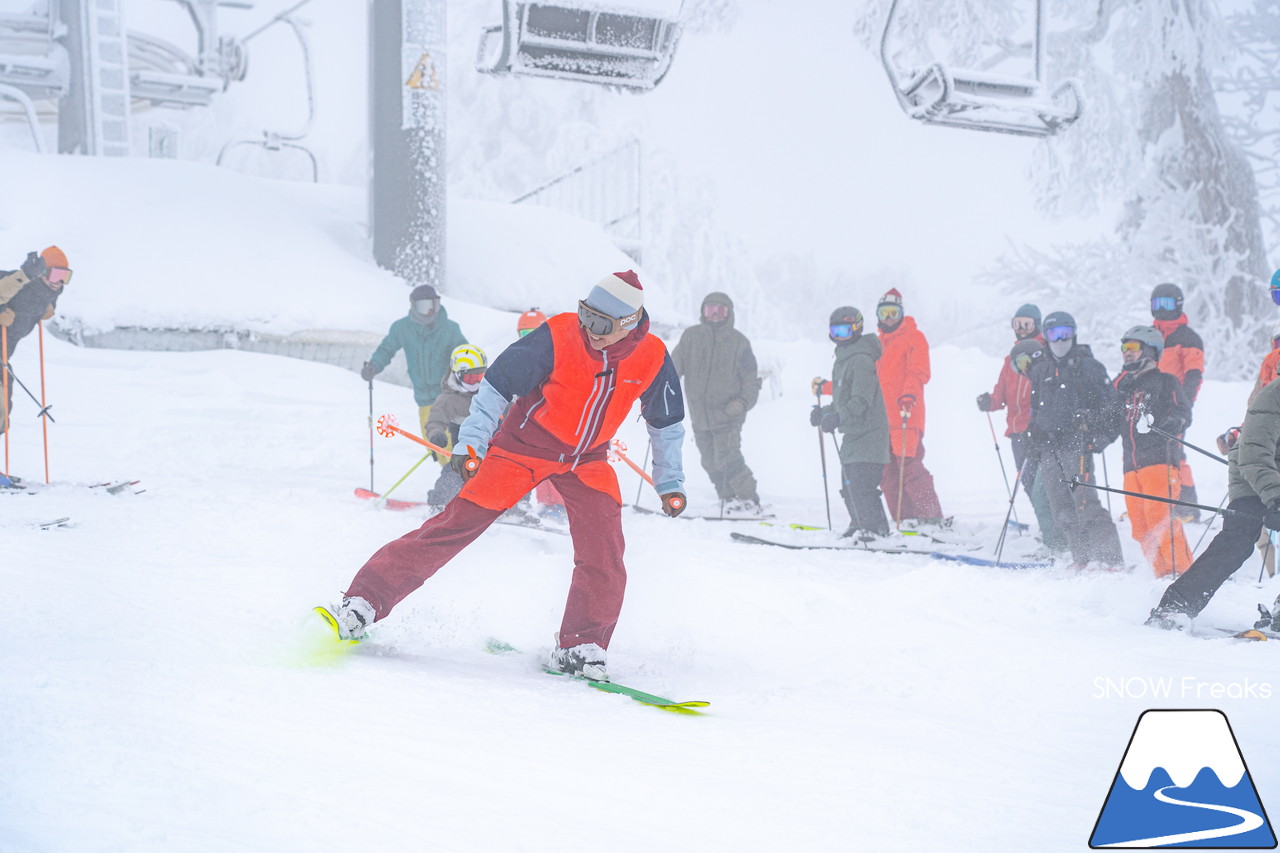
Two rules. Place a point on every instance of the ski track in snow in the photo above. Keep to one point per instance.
(154, 699)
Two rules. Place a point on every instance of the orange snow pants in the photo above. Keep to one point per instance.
(1155, 526)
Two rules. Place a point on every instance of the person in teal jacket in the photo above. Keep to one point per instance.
(428, 338)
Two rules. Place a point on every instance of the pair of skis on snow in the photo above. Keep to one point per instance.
(498, 647)
(930, 552)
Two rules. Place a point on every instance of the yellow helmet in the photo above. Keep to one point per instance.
(468, 361)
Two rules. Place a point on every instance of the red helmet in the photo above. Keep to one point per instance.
(530, 320)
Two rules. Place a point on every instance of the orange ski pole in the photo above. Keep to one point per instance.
(618, 451)
(389, 426)
(44, 422)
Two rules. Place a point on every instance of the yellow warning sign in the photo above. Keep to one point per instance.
(424, 75)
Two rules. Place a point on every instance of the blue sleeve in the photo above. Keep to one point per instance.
(487, 408)
(668, 452)
(522, 367)
(662, 403)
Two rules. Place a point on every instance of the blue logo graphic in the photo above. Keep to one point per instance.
(1183, 783)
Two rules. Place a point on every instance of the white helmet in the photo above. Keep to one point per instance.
(468, 363)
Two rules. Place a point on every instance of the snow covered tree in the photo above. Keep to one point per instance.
(1151, 138)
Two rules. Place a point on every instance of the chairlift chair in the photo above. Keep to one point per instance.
(980, 99)
(608, 45)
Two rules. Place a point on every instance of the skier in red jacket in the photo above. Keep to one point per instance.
(576, 379)
(904, 370)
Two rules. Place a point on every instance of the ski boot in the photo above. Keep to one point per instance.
(584, 661)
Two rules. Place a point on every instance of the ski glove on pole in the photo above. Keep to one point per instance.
(34, 266)
(7, 317)
(984, 402)
(1272, 518)
(673, 503)
(906, 403)
(826, 417)
(1227, 440)
(465, 465)
(368, 371)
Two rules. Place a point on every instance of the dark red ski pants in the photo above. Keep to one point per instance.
(592, 503)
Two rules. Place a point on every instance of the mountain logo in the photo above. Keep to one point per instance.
(1183, 783)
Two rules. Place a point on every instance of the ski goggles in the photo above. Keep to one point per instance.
(524, 332)
(889, 313)
(426, 306)
(601, 324)
(842, 331)
(1130, 346)
(471, 376)
(1275, 295)
(715, 313)
(1054, 334)
(58, 275)
(1023, 326)
(1164, 303)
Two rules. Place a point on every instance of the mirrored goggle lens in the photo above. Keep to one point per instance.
(472, 376)
(59, 275)
(1059, 333)
(425, 306)
(1023, 325)
(715, 312)
(1164, 303)
(524, 332)
(888, 313)
(595, 322)
(1131, 346)
(1022, 363)
(842, 331)
(1275, 295)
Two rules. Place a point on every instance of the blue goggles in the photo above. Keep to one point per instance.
(1164, 303)
(1275, 295)
(1054, 334)
(842, 331)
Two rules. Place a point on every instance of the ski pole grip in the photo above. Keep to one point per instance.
(473, 461)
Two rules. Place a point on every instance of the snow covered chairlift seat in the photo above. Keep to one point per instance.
(982, 100)
(593, 44)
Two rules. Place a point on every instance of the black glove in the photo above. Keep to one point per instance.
(984, 402)
(369, 371)
(830, 420)
(1272, 518)
(34, 266)
(673, 503)
(464, 466)
(438, 439)
(815, 415)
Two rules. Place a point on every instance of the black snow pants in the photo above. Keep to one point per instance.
(1227, 552)
(861, 492)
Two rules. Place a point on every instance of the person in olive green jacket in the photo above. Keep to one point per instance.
(1253, 486)
(721, 386)
(428, 338)
(857, 410)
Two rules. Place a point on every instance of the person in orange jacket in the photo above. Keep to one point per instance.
(904, 370)
(28, 296)
(1184, 360)
(546, 409)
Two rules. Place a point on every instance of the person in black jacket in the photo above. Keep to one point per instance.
(1146, 397)
(1071, 399)
(27, 296)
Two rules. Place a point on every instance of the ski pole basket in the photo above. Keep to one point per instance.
(983, 99)
(607, 45)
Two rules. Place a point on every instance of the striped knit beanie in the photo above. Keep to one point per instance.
(618, 295)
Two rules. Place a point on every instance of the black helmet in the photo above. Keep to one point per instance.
(845, 315)
(1166, 302)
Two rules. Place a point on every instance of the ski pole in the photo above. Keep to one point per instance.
(1076, 481)
(388, 426)
(381, 498)
(44, 410)
(1004, 530)
(645, 464)
(371, 488)
(1106, 480)
(1004, 475)
(1208, 527)
(618, 452)
(902, 472)
(1215, 457)
(822, 455)
(44, 423)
